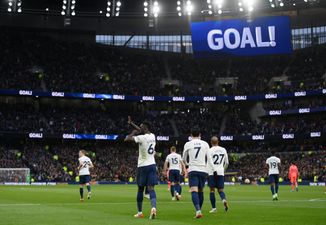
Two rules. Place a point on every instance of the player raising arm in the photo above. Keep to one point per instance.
(146, 169)
(221, 162)
(172, 164)
(196, 155)
(273, 172)
(85, 164)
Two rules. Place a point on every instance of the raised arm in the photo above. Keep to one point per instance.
(133, 124)
(130, 137)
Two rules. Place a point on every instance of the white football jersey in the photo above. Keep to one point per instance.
(85, 162)
(220, 160)
(146, 148)
(197, 151)
(174, 160)
(273, 163)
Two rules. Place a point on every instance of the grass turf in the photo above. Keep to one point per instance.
(115, 204)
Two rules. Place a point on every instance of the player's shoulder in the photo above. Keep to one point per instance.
(204, 143)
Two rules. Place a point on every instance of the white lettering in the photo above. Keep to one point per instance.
(119, 97)
(304, 110)
(240, 97)
(215, 43)
(68, 136)
(270, 96)
(87, 95)
(163, 138)
(227, 40)
(35, 135)
(315, 134)
(258, 137)
(209, 98)
(178, 99)
(275, 112)
(24, 92)
(259, 41)
(288, 136)
(226, 138)
(300, 93)
(247, 38)
(148, 98)
(58, 94)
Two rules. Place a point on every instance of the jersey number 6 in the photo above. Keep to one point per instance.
(150, 149)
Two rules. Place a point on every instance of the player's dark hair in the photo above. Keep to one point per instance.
(273, 152)
(195, 131)
(147, 125)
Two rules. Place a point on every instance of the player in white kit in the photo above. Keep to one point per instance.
(85, 164)
(174, 165)
(146, 168)
(196, 155)
(216, 180)
(273, 163)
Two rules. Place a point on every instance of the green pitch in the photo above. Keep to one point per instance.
(249, 205)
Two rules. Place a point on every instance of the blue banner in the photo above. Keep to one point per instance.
(240, 37)
(113, 97)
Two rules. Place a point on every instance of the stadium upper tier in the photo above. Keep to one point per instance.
(32, 62)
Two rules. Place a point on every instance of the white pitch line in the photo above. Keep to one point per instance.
(128, 203)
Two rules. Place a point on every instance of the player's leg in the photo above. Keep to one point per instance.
(81, 192)
(272, 185)
(140, 197)
(176, 180)
(292, 183)
(146, 195)
(213, 200)
(81, 187)
(172, 190)
(220, 187)
(276, 187)
(152, 180)
(141, 182)
(177, 191)
(296, 184)
(193, 183)
(88, 186)
(201, 185)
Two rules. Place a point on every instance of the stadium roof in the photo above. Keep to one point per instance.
(135, 8)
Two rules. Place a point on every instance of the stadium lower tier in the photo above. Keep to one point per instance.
(118, 162)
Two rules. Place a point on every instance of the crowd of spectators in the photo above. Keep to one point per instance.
(253, 166)
(35, 62)
(232, 120)
(118, 162)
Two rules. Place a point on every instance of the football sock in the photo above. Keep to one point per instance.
(177, 188)
(81, 192)
(172, 190)
(201, 198)
(152, 196)
(195, 200)
(213, 200)
(272, 189)
(140, 196)
(276, 188)
(88, 188)
(222, 195)
(180, 189)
